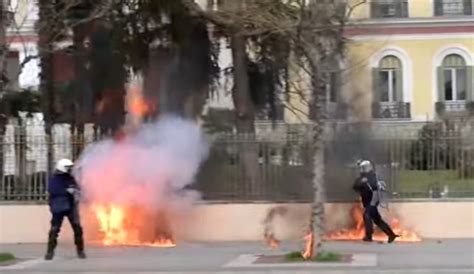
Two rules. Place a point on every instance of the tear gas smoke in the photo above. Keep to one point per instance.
(149, 169)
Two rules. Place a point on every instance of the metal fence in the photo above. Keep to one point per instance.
(434, 164)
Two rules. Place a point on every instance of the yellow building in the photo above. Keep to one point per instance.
(407, 60)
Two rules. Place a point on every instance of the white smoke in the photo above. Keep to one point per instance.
(148, 169)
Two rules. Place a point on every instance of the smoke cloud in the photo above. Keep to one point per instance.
(149, 169)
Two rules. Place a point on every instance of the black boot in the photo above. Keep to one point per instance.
(80, 250)
(81, 254)
(392, 238)
(387, 230)
(367, 239)
(79, 241)
(52, 242)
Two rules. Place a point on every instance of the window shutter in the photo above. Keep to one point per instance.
(467, 7)
(440, 88)
(376, 85)
(470, 83)
(399, 82)
(438, 7)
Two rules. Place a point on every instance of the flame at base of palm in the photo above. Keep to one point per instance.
(120, 225)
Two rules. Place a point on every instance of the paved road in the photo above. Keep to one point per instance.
(449, 256)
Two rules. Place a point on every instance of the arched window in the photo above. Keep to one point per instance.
(388, 80)
(454, 83)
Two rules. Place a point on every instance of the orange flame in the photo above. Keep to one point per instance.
(308, 251)
(357, 232)
(116, 224)
(272, 241)
(137, 105)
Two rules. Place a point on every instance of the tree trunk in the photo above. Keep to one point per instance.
(3, 113)
(3, 126)
(81, 89)
(317, 206)
(20, 159)
(319, 195)
(241, 93)
(245, 114)
(45, 50)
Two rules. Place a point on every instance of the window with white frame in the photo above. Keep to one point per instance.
(388, 80)
(453, 78)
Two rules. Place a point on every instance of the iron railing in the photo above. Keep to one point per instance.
(434, 163)
(391, 110)
(455, 108)
(389, 8)
(453, 7)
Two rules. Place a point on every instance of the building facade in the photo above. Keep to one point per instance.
(407, 61)
(413, 58)
(22, 62)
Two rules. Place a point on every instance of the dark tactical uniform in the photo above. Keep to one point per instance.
(366, 185)
(64, 204)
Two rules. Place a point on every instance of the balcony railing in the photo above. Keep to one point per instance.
(389, 9)
(454, 108)
(332, 111)
(453, 7)
(391, 110)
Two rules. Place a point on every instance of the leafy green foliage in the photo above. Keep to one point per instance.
(321, 257)
(25, 100)
(294, 256)
(5, 257)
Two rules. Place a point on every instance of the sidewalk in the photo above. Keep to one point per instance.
(431, 256)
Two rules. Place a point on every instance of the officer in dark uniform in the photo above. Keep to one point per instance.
(64, 202)
(368, 188)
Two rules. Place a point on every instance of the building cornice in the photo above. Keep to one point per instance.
(414, 21)
(411, 30)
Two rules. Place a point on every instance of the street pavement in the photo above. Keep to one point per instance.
(429, 256)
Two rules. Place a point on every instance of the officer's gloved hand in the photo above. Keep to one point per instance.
(71, 190)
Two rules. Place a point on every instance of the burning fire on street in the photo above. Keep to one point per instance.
(269, 233)
(308, 251)
(357, 231)
(135, 184)
(119, 226)
(272, 241)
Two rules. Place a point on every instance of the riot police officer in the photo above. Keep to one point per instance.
(64, 195)
(368, 187)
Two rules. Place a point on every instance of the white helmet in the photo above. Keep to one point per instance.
(365, 166)
(64, 165)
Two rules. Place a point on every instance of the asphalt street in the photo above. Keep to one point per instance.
(429, 256)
